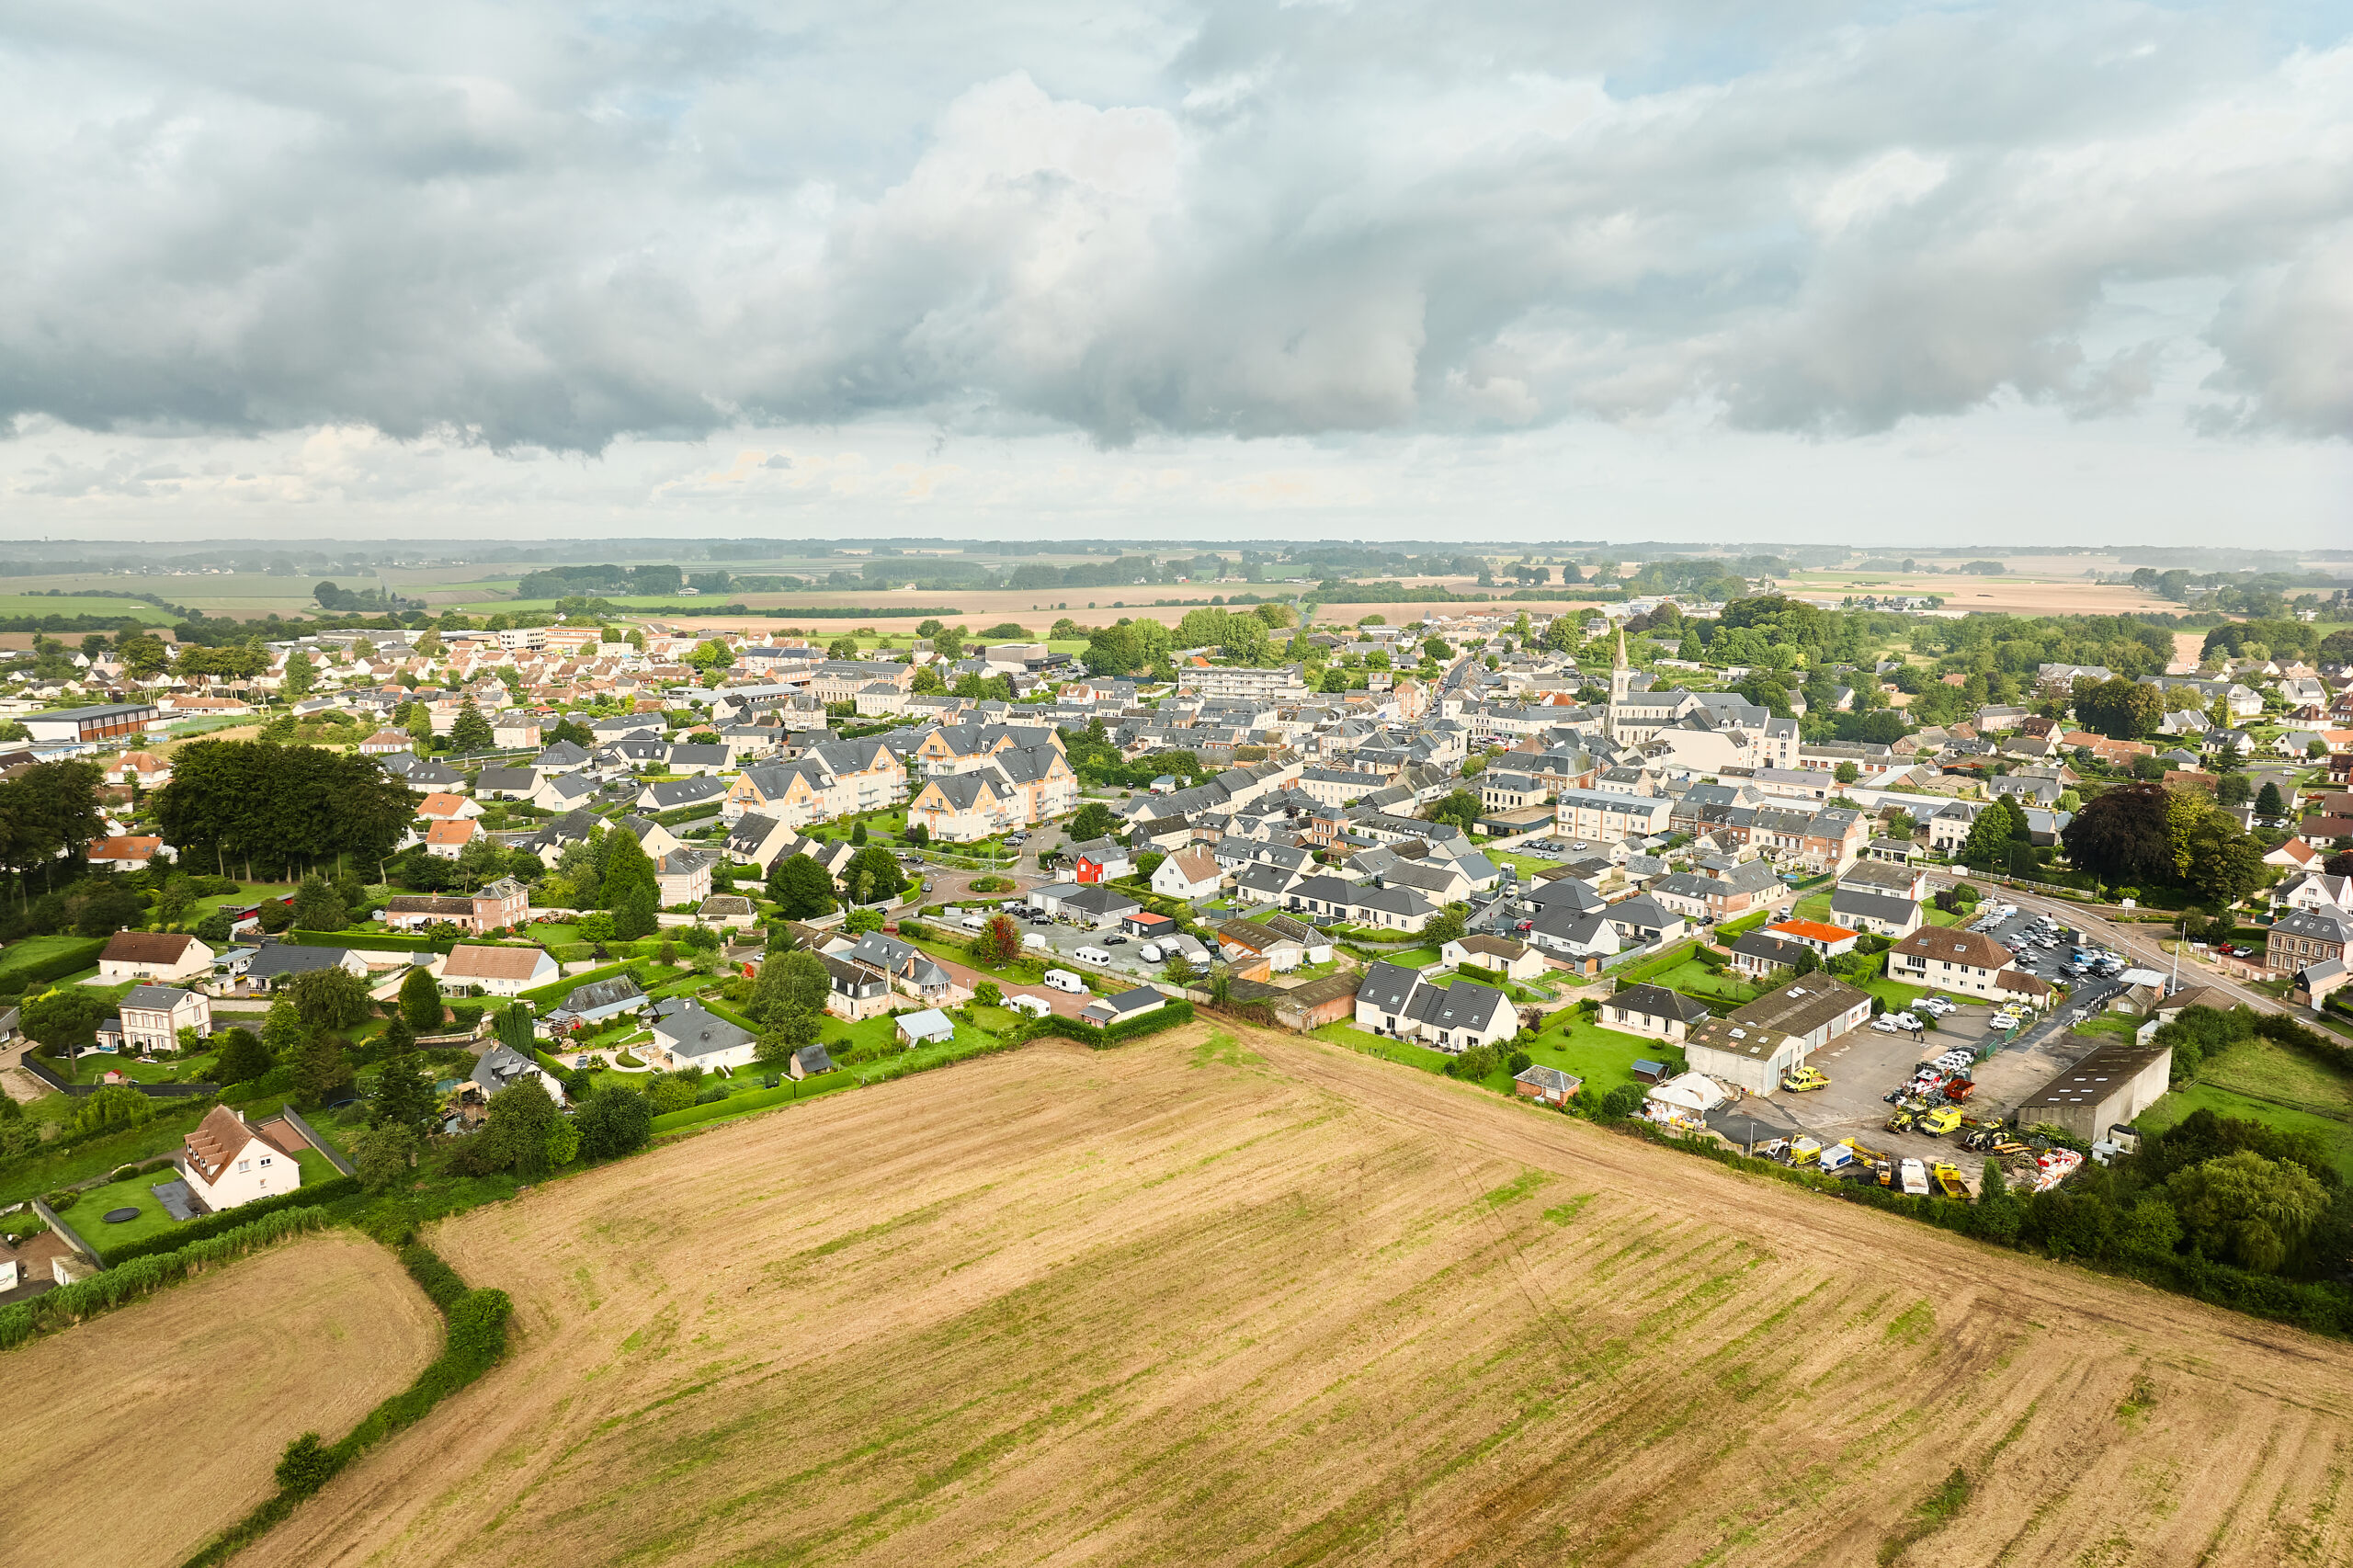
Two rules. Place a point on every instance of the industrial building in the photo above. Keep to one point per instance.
(2107, 1088)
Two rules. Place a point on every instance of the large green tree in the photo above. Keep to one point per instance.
(472, 732)
(873, 876)
(2123, 836)
(242, 802)
(318, 905)
(801, 887)
(329, 998)
(421, 1001)
(2253, 1211)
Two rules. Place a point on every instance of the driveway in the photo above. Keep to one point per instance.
(1062, 1002)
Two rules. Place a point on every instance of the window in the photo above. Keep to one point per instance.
(244, 1164)
(265, 1160)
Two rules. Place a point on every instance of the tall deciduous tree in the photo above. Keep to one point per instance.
(421, 1002)
(2123, 836)
(801, 887)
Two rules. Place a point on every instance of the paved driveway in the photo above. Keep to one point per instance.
(1062, 1002)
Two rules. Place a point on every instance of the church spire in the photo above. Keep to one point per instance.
(1619, 662)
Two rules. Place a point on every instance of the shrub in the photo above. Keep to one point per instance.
(306, 1465)
(478, 1326)
(435, 1277)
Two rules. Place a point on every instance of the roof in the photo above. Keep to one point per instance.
(2091, 1081)
(500, 1066)
(146, 947)
(125, 846)
(1550, 1079)
(461, 831)
(692, 1031)
(929, 1024)
(494, 963)
(155, 999)
(287, 957)
(1658, 1001)
(604, 993)
(1494, 947)
(1387, 986)
(1813, 931)
(1799, 1007)
(441, 805)
(1950, 944)
(1195, 865)
(1873, 905)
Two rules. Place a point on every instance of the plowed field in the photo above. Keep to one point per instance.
(1196, 1301)
(138, 1434)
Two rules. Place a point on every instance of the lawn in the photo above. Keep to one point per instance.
(86, 1216)
(19, 956)
(1693, 978)
(1395, 1050)
(1604, 1058)
(2336, 1135)
(1405, 958)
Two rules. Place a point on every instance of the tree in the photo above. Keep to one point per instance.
(1093, 820)
(637, 914)
(2253, 1211)
(321, 1070)
(174, 900)
(2225, 865)
(421, 1002)
(402, 1094)
(115, 1105)
(1847, 773)
(472, 732)
(242, 1057)
(857, 832)
(329, 998)
(789, 985)
(627, 870)
(1444, 927)
(842, 648)
(1179, 970)
(2123, 835)
(384, 1153)
(63, 1018)
(2269, 802)
(613, 1122)
(800, 887)
(514, 1135)
(1459, 807)
(873, 876)
(301, 675)
(998, 943)
(2231, 789)
(918, 835)
(318, 906)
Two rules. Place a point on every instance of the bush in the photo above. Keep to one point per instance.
(478, 1326)
(435, 1277)
(306, 1465)
(466, 1016)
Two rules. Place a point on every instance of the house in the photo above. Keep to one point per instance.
(128, 852)
(1319, 1001)
(152, 1016)
(1827, 941)
(505, 784)
(911, 971)
(1951, 960)
(1099, 860)
(1391, 1000)
(600, 1000)
(2108, 1088)
(683, 794)
(1189, 873)
(757, 840)
(733, 911)
(1514, 961)
(153, 955)
(682, 876)
(2307, 936)
(2315, 891)
(142, 769)
(1547, 1085)
(1879, 914)
(930, 1027)
(856, 991)
(1754, 1045)
(229, 1161)
(1093, 907)
(1654, 1012)
(1643, 919)
(502, 1067)
(1245, 942)
(808, 1061)
(275, 962)
(494, 971)
(1104, 1011)
(496, 906)
(685, 1034)
(441, 806)
(447, 840)
(2317, 981)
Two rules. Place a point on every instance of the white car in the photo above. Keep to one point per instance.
(1885, 1026)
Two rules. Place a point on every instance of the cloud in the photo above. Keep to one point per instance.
(550, 227)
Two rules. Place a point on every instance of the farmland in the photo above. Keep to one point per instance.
(159, 1422)
(1209, 1299)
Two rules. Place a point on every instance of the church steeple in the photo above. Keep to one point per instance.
(1621, 686)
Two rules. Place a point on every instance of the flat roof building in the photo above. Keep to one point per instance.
(2109, 1087)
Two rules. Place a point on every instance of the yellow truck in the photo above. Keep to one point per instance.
(1941, 1120)
(1950, 1182)
(1800, 1078)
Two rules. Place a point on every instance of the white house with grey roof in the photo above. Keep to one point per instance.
(1399, 1001)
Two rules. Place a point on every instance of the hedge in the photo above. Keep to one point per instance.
(316, 1194)
(40, 971)
(473, 1342)
(549, 994)
(390, 941)
(115, 1286)
(1174, 1011)
(759, 1099)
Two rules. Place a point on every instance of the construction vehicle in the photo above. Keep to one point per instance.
(1800, 1078)
(1903, 1121)
(1995, 1140)
(1941, 1120)
(1957, 1090)
(1882, 1166)
(1804, 1151)
(1951, 1181)
(1914, 1174)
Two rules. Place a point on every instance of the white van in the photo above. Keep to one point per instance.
(1036, 1007)
(1032, 939)
(1149, 952)
(1063, 980)
(1097, 956)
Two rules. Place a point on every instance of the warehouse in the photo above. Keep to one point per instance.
(2107, 1088)
(1753, 1046)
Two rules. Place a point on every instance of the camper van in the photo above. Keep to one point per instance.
(1032, 939)
(1150, 952)
(1036, 1007)
(1063, 980)
(974, 922)
(1099, 956)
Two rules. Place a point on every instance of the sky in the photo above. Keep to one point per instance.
(2050, 272)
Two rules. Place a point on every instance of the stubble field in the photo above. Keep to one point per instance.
(1201, 1300)
(137, 1434)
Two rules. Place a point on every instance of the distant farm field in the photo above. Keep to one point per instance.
(143, 1431)
(12, 605)
(1209, 1299)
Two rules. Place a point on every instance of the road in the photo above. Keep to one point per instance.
(2132, 940)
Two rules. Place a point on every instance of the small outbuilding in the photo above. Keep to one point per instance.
(930, 1027)
(1548, 1086)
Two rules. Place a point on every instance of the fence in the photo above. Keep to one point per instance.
(335, 1156)
(68, 1234)
(48, 1075)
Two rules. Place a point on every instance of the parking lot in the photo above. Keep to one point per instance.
(1864, 1066)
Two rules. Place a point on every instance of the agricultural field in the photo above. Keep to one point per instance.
(13, 604)
(158, 1423)
(1217, 1297)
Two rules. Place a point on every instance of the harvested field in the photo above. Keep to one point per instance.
(142, 1432)
(2007, 595)
(1206, 1301)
